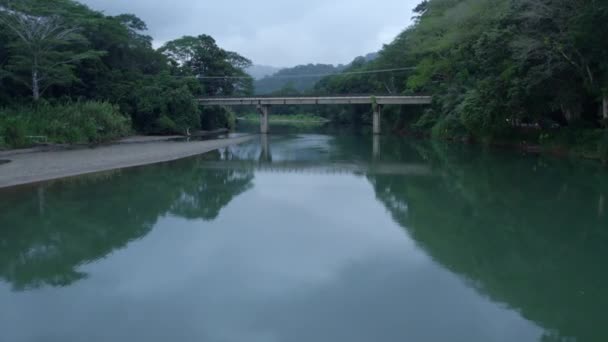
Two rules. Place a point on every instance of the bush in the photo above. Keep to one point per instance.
(105, 122)
(165, 105)
(165, 125)
(14, 133)
(217, 117)
(482, 117)
(449, 127)
(426, 121)
(79, 122)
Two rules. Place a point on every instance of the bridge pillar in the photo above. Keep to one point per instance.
(376, 147)
(377, 111)
(265, 155)
(263, 110)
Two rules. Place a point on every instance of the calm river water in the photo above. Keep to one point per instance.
(311, 237)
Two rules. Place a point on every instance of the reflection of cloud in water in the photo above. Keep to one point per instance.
(286, 261)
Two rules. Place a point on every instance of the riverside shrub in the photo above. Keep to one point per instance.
(78, 122)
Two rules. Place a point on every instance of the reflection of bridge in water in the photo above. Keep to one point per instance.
(320, 167)
(262, 161)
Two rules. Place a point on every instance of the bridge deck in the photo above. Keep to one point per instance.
(314, 100)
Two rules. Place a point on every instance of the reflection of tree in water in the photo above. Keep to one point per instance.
(47, 232)
(206, 199)
(527, 232)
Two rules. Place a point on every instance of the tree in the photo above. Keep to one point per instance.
(64, 51)
(497, 68)
(565, 37)
(221, 72)
(165, 105)
(42, 54)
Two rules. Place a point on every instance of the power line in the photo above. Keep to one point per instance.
(307, 75)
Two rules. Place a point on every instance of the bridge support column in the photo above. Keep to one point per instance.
(377, 111)
(263, 110)
(376, 146)
(265, 155)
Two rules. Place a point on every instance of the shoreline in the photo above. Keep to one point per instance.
(564, 151)
(45, 165)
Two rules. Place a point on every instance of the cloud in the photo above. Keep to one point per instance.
(275, 32)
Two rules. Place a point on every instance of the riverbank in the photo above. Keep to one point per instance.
(36, 166)
(590, 143)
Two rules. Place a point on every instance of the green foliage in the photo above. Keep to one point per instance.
(43, 50)
(494, 67)
(165, 125)
(217, 117)
(165, 105)
(478, 116)
(426, 121)
(449, 127)
(61, 51)
(201, 56)
(80, 122)
(14, 133)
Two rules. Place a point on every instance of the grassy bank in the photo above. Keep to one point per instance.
(73, 123)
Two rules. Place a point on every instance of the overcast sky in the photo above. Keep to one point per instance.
(275, 32)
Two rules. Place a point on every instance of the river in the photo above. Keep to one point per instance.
(312, 237)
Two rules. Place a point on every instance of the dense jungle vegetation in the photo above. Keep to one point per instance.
(72, 74)
(501, 71)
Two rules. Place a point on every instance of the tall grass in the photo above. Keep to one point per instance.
(78, 122)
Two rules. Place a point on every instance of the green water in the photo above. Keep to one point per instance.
(308, 237)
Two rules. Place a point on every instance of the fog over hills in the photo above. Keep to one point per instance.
(297, 79)
(261, 71)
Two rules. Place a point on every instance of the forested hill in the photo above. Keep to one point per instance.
(499, 70)
(261, 71)
(298, 79)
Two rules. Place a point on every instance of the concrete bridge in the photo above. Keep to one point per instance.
(263, 104)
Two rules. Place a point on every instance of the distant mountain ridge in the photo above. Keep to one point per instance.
(297, 79)
(261, 71)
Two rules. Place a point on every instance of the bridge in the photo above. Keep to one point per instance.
(263, 104)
